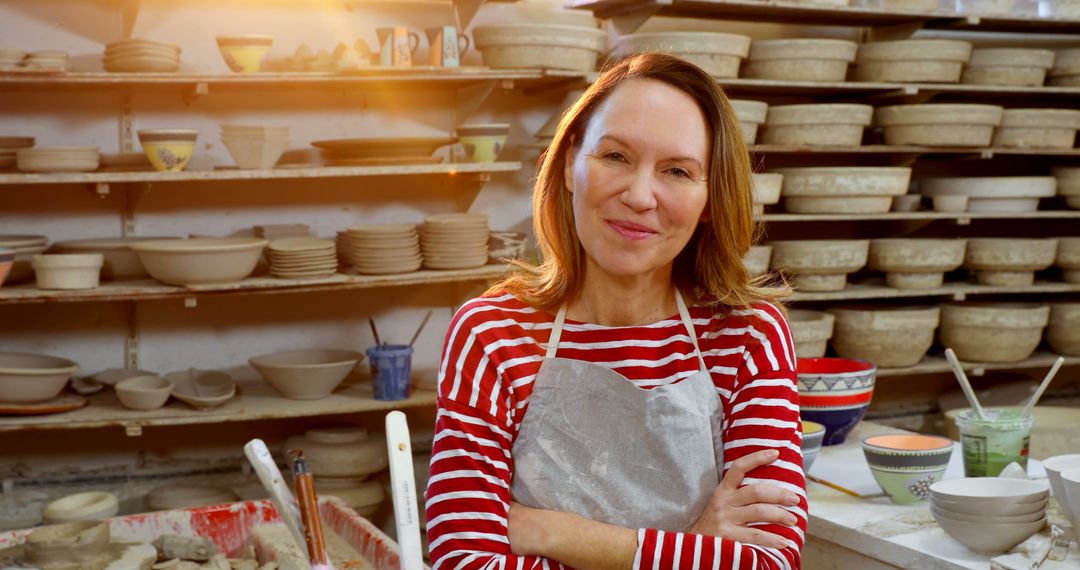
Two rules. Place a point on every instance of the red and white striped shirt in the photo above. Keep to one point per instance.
(492, 353)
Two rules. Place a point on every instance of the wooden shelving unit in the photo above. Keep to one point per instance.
(152, 290)
(961, 217)
(256, 401)
(916, 151)
(956, 291)
(938, 364)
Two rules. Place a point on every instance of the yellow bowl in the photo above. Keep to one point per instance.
(244, 54)
(169, 150)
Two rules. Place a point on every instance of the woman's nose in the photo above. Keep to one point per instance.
(639, 194)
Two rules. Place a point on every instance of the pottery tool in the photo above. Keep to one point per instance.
(403, 485)
(309, 512)
(965, 385)
(374, 331)
(421, 328)
(274, 483)
(1042, 387)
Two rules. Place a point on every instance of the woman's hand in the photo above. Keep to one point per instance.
(731, 508)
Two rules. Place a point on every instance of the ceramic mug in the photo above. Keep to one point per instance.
(447, 46)
(396, 46)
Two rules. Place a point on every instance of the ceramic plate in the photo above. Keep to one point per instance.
(59, 404)
(300, 244)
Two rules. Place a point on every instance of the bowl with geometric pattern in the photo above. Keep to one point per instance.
(836, 393)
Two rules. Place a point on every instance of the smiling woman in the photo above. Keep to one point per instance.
(631, 401)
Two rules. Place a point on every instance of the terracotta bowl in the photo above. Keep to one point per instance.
(148, 392)
(306, 374)
(27, 378)
(93, 505)
(813, 434)
(836, 393)
(905, 465)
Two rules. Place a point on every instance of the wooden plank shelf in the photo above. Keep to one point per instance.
(809, 14)
(275, 174)
(884, 150)
(893, 93)
(369, 77)
(153, 290)
(962, 217)
(938, 364)
(255, 401)
(957, 291)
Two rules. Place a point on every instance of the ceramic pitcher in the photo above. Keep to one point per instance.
(396, 46)
(447, 46)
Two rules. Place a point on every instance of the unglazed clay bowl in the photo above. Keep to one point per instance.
(306, 374)
(88, 506)
(1055, 466)
(81, 544)
(811, 331)
(813, 434)
(991, 492)
(202, 388)
(121, 263)
(27, 378)
(148, 392)
(987, 537)
(200, 261)
(905, 465)
(890, 336)
(836, 393)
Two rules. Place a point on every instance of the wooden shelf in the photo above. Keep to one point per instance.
(938, 364)
(882, 149)
(256, 401)
(636, 11)
(962, 217)
(275, 174)
(152, 290)
(958, 291)
(894, 92)
(369, 77)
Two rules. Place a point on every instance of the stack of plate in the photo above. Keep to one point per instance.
(455, 241)
(141, 56)
(366, 152)
(381, 249)
(26, 247)
(11, 57)
(297, 257)
(51, 60)
(58, 159)
(10, 145)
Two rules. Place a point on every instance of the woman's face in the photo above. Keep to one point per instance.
(639, 178)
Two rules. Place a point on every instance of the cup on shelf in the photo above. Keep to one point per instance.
(397, 46)
(446, 46)
(391, 371)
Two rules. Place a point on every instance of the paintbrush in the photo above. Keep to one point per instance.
(309, 512)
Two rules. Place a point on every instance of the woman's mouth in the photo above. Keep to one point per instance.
(630, 230)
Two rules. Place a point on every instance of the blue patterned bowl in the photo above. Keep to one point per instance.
(836, 393)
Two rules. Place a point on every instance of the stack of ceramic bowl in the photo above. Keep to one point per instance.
(455, 241)
(49, 60)
(294, 258)
(990, 514)
(385, 248)
(813, 434)
(835, 392)
(141, 56)
(58, 159)
(11, 57)
(28, 378)
(342, 462)
(253, 147)
(9, 146)
(26, 247)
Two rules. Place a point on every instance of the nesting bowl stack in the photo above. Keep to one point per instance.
(11, 57)
(990, 514)
(135, 56)
(455, 241)
(381, 249)
(299, 257)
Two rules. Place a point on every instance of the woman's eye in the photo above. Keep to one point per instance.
(615, 156)
(680, 172)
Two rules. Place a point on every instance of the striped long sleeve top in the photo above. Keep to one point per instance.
(492, 352)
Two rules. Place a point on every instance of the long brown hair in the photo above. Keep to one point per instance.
(710, 267)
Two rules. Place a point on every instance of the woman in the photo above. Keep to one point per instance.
(586, 416)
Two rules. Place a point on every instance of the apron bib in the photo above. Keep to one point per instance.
(594, 444)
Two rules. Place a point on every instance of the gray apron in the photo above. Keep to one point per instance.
(594, 444)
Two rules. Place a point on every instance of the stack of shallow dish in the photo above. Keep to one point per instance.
(48, 60)
(385, 248)
(990, 514)
(455, 241)
(293, 258)
(58, 159)
(141, 56)
(26, 247)
(11, 57)
(11, 145)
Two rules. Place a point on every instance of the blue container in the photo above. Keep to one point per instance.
(391, 370)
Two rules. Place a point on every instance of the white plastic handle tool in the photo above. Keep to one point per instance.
(274, 483)
(403, 484)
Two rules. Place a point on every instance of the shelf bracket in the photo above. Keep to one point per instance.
(196, 92)
(127, 124)
(100, 189)
(132, 430)
(959, 296)
(190, 302)
(469, 99)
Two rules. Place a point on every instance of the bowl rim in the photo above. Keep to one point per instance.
(125, 385)
(863, 366)
(1017, 490)
(199, 245)
(944, 443)
(345, 355)
(62, 365)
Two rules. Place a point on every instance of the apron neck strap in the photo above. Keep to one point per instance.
(684, 314)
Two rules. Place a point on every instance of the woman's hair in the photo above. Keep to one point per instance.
(710, 268)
